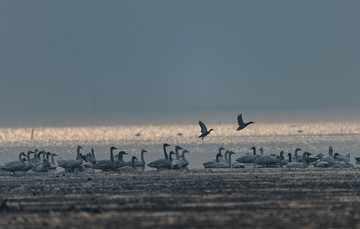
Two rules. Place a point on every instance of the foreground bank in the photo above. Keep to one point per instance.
(246, 198)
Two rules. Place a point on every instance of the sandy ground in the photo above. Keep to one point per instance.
(216, 198)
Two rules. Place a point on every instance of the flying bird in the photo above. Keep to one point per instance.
(204, 131)
(241, 123)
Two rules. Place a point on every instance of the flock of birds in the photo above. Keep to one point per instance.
(43, 161)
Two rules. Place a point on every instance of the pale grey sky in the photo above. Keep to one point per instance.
(144, 56)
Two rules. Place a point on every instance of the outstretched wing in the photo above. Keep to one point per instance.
(203, 127)
(240, 120)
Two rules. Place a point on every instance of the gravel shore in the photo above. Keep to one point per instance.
(213, 198)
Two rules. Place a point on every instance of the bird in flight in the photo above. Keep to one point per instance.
(241, 123)
(204, 131)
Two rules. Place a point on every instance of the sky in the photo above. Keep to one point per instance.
(134, 56)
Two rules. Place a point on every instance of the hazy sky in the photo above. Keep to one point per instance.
(125, 56)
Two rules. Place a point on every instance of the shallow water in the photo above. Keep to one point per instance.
(313, 131)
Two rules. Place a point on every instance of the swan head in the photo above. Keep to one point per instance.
(297, 149)
(306, 154)
(143, 151)
(113, 147)
(79, 147)
(185, 151)
(122, 153)
(336, 154)
(177, 148)
(165, 145)
(54, 154)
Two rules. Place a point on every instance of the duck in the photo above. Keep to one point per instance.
(161, 163)
(204, 131)
(241, 123)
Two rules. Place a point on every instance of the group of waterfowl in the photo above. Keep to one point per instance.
(272, 160)
(41, 161)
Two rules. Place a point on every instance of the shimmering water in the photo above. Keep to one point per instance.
(274, 131)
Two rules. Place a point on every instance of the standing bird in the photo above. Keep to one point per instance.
(204, 131)
(241, 123)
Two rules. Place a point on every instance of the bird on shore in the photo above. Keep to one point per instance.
(71, 164)
(162, 163)
(204, 130)
(14, 166)
(241, 123)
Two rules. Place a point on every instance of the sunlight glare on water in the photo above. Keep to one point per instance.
(314, 137)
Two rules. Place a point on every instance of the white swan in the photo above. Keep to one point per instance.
(268, 160)
(217, 159)
(128, 168)
(139, 164)
(183, 160)
(248, 158)
(297, 164)
(175, 163)
(329, 159)
(221, 164)
(106, 165)
(71, 164)
(339, 157)
(14, 166)
(161, 163)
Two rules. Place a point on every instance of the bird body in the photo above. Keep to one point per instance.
(241, 123)
(14, 166)
(71, 164)
(161, 163)
(204, 130)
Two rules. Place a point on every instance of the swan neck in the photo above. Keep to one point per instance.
(142, 157)
(165, 154)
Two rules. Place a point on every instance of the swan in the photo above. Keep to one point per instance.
(221, 164)
(329, 159)
(183, 160)
(52, 164)
(302, 164)
(238, 164)
(139, 164)
(161, 163)
(298, 158)
(43, 167)
(268, 160)
(204, 130)
(128, 168)
(217, 159)
(175, 163)
(241, 123)
(120, 161)
(71, 164)
(14, 166)
(339, 157)
(248, 158)
(106, 165)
